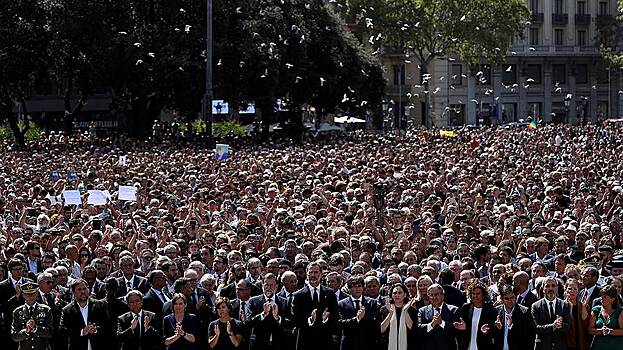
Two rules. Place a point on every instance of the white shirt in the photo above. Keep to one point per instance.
(473, 345)
(16, 282)
(85, 316)
(313, 290)
(442, 324)
(140, 318)
(130, 281)
(589, 291)
(32, 265)
(507, 327)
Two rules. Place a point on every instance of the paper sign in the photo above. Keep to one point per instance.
(122, 160)
(127, 193)
(55, 176)
(106, 193)
(222, 151)
(72, 197)
(72, 175)
(53, 199)
(96, 197)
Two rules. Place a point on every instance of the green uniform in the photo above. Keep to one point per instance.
(38, 338)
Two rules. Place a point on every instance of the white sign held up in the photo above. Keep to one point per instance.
(72, 197)
(127, 193)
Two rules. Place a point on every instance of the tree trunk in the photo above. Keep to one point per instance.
(426, 118)
(17, 133)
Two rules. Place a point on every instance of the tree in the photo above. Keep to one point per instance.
(427, 29)
(610, 35)
(23, 42)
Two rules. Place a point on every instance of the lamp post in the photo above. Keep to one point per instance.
(209, 93)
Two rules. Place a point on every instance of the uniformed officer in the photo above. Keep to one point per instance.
(32, 322)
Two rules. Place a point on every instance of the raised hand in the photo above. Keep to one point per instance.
(361, 313)
(217, 330)
(498, 323)
(485, 328)
(509, 320)
(460, 325)
(266, 308)
(325, 315)
(134, 324)
(275, 310)
(436, 319)
(146, 322)
(312, 317)
(229, 327)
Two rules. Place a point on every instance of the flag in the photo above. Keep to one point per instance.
(532, 125)
(447, 133)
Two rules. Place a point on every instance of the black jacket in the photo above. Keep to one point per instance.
(72, 324)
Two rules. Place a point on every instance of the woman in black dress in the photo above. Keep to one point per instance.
(179, 328)
(224, 333)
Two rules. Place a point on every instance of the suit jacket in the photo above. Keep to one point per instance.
(229, 291)
(282, 293)
(546, 337)
(487, 316)
(521, 335)
(528, 300)
(359, 335)
(594, 295)
(439, 338)
(153, 303)
(318, 334)
(268, 332)
(454, 296)
(140, 283)
(72, 324)
(146, 339)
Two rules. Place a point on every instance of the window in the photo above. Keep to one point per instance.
(509, 112)
(534, 36)
(485, 77)
(534, 109)
(581, 39)
(457, 71)
(603, 8)
(559, 37)
(558, 7)
(581, 74)
(559, 74)
(534, 6)
(509, 74)
(534, 72)
(581, 8)
(399, 74)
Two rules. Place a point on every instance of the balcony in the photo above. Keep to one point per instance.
(537, 17)
(583, 19)
(604, 20)
(560, 19)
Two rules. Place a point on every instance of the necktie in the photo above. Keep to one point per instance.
(290, 299)
(163, 298)
(356, 304)
(129, 285)
(315, 296)
(242, 311)
(31, 311)
(551, 310)
(519, 299)
(138, 327)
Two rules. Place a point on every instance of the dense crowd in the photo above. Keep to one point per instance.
(495, 239)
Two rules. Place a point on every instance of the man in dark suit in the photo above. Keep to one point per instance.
(268, 317)
(452, 295)
(8, 290)
(551, 317)
(85, 321)
(590, 276)
(514, 326)
(33, 259)
(155, 298)
(359, 319)
(187, 287)
(436, 322)
(97, 288)
(521, 283)
(289, 283)
(314, 308)
(134, 328)
(129, 279)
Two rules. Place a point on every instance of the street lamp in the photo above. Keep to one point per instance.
(209, 92)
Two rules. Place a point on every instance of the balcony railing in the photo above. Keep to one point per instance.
(538, 17)
(560, 19)
(584, 19)
(397, 89)
(603, 19)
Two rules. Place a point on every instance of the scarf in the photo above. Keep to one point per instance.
(398, 332)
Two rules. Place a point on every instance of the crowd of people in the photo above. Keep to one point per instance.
(495, 239)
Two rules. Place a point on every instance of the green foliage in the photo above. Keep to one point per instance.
(609, 35)
(5, 133)
(227, 128)
(33, 133)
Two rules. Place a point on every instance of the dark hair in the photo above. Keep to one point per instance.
(483, 289)
(222, 300)
(180, 283)
(506, 290)
(76, 282)
(404, 289)
(611, 292)
(355, 280)
(446, 276)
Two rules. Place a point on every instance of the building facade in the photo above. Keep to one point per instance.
(555, 73)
